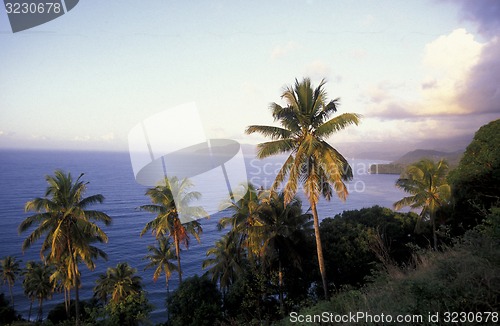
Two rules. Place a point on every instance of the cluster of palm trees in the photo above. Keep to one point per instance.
(264, 226)
(37, 283)
(265, 234)
(70, 229)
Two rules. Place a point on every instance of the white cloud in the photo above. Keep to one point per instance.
(282, 50)
(447, 62)
(81, 138)
(317, 70)
(108, 137)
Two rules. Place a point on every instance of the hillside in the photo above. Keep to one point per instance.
(398, 166)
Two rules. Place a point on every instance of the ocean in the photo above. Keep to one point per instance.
(22, 178)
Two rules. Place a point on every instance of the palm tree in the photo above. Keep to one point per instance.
(118, 283)
(225, 262)
(283, 227)
(171, 201)
(68, 226)
(9, 270)
(38, 284)
(62, 282)
(429, 190)
(305, 126)
(160, 258)
(28, 289)
(244, 217)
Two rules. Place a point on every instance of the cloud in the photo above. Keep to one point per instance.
(447, 64)
(481, 90)
(282, 50)
(484, 13)
(318, 70)
(81, 138)
(108, 137)
(2, 133)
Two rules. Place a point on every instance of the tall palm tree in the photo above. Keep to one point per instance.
(429, 190)
(282, 228)
(160, 258)
(225, 263)
(68, 225)
(118, 283)
(9, 270)
(312, 161)
(172, 201)
(38, 284)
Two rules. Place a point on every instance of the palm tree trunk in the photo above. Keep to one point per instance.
(434, 235)
(178, 253)
(29, 312)
(77, 292)
(319, 249)
(39, 315)
(280, 285)
(77, 308)
(168, 294)
(66, 300)
(11, 296)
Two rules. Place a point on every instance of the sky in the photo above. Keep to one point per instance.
(423, 73)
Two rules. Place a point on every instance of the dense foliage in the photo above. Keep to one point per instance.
(267, 264)
(196, 302)
(476, 180)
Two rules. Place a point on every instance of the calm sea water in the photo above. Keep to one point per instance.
(22, 178)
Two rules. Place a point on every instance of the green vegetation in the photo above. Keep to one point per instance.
(9, 269)
(476, 181)
(429, 190)
(196, 302)
(465, 278)
(312, 161)
(168, 219)
(69, 229)
(271, 262)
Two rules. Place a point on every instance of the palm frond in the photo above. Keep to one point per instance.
(269, 131)
(275, 147)
(338, 123)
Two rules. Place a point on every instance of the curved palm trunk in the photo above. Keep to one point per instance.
(319, 249)
(178, 253)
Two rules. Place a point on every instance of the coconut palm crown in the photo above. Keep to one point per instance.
(425, 182)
